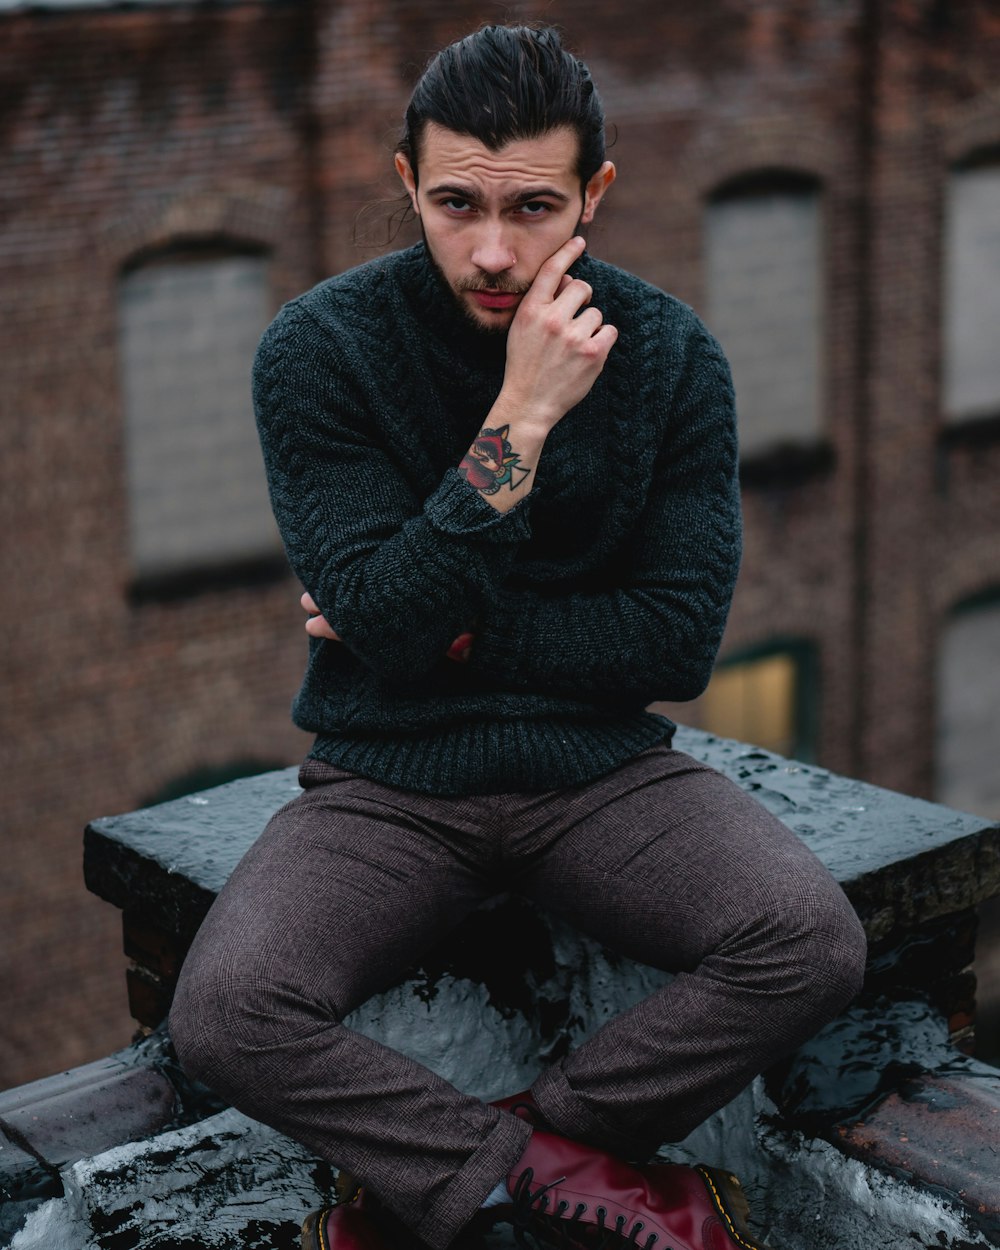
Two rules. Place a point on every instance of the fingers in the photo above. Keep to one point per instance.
(317, 625)
(577, 294)
(547, 281)
(460, 649)
(590, 327)
(572, 295)
(605, 338)
(589, 321)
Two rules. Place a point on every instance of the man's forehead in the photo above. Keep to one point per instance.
(446, 154)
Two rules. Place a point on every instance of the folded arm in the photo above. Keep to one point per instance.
(397, 577)
(656, 634)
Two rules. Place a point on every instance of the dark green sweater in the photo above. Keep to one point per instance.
(605, 588)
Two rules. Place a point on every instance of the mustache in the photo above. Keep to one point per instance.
(496, 284)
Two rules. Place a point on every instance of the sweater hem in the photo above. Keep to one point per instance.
(496, 757)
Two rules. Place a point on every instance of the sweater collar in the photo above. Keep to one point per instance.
(433, 308)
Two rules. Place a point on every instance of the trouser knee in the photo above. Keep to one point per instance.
(230, 1034)
(197, 1029)
(828, 948)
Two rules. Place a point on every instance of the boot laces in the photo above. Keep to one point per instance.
(531, 1216)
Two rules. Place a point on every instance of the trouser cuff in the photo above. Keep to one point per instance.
(467, 1190)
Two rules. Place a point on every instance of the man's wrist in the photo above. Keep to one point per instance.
(532, 420)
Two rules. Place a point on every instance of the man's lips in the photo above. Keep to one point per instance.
(497, 300)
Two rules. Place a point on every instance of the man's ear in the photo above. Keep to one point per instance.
(405, 171)
(594, 191)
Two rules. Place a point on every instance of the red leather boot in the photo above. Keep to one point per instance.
(346, 1226)
(568, 1194)
(357, 1221)
(523, 1105)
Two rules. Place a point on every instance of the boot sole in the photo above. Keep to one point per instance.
(731, 1203)
(312, 1231)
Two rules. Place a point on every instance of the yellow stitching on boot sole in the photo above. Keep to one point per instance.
(706, 1177)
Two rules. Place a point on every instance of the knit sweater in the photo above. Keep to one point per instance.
(605, 588)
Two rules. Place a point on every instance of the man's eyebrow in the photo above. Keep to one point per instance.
(517, 197)
(535, 193)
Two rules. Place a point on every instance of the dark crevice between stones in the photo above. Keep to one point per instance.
(40, 1182)
(511, 969)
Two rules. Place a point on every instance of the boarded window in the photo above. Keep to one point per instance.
(764, 303)
(968, 729)
(968, 776)
(972, 293)
(197, 496)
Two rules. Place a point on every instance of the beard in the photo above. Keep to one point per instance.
(498, 283)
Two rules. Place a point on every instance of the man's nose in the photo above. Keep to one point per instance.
(493, 252)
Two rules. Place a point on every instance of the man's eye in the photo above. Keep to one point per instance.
(535, 208)
(455, 205)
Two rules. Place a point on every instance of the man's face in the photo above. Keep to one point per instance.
(491, 218)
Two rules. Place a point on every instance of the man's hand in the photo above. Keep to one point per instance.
(317, 626)
(556, 346)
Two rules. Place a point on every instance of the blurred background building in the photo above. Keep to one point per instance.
(819, 178)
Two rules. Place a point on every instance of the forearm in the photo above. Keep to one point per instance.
(556, 348)
(399, 598)
(503, 459)
(397, 563)
(637, 645)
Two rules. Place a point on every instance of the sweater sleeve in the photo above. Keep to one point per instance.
(397, 576)
(656, 633)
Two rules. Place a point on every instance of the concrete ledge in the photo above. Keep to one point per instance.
(901, 860)
(49, 1124)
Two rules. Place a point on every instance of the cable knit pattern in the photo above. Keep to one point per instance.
(604, 589)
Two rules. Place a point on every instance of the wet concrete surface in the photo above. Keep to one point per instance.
(229, 1183)
(942, 1131)
(52, 1123)
(900, 859)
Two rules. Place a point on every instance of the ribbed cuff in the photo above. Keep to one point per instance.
(458, 508)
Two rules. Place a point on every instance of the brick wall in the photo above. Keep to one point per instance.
(270, 125)
(122, 131)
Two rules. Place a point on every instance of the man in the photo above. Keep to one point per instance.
(506, 475)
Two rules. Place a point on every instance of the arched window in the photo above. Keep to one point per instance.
(971, 378)
(764, 301)
(968, 722)
(189, 325)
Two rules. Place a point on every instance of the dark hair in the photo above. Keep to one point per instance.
(505, 83)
